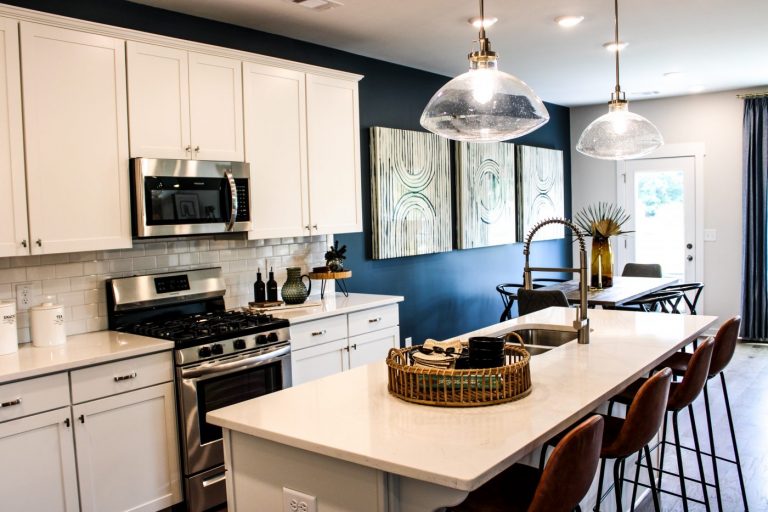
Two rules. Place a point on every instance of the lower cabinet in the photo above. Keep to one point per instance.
(368, 348)
(38, 463)
(123, 456)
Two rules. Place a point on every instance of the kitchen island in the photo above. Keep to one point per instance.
(347, 441)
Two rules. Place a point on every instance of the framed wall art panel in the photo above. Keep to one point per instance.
(540, 191)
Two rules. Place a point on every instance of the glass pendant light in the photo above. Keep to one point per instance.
(619, 134)
(484, 104)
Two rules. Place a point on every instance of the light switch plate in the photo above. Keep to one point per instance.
(710, 235)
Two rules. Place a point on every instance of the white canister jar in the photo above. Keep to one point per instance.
(9, 336)
(46, 323)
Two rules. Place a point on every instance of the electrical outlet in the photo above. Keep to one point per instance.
(25, 294)
(295, 501)
(710, 235)
(408, 341)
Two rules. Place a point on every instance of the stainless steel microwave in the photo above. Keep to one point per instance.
(189, 197)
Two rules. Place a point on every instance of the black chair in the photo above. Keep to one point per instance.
(664, 302)
(529, 301)
(691, 293)
(508, 293)
(641, 270)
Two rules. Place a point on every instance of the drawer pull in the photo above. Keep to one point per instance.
(221, 477)
(120, 378)
(11, 402)
(319, 333)
(374, 320)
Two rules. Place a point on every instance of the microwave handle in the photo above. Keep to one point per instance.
(233, 199)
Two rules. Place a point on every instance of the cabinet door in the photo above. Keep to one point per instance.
(333, 141)
(276, 148)
(127, 451)
(158, 101)
(216, 107)
(319, 361)
(38, 469)
(14, 238)
(75, 130)
(372, 347)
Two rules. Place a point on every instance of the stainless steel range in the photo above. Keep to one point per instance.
(222, 357)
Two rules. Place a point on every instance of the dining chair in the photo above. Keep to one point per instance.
(529, 301)
(691, 293)
(641, 270)
(663, 302)
(508, 294)
(559, 487)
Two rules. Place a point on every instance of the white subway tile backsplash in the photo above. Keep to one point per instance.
(77, 280)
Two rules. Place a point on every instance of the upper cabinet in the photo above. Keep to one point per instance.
(14, 234)
(184, 104)
(76, 138)
(302, 142)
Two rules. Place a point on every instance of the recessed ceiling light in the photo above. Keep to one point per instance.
(697, 88)
(611, 46)
(487, 22)
(569, 21)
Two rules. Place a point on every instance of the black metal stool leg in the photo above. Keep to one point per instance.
(652, 480)
(637, 479)
(698, 457)
(618, 465)
(600, 486)
(681, 472)
(663, 447)
(715, 471)
(733, 440)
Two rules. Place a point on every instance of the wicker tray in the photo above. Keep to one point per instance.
(461, 388)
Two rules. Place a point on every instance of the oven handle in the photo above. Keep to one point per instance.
(233, 199)
(240, 364)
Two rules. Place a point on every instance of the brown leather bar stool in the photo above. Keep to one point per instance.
(725, 345)
(681, 396)
(558, 488)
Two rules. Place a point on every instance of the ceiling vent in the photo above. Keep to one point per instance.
(317, 5)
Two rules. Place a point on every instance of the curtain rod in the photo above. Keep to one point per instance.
(760, 94)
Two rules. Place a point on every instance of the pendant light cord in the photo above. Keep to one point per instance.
(616, 40)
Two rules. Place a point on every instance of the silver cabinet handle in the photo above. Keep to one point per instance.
(220, 477)
(23, 243)
(39, 242)
(374, 320)
(131, 375)
(319, 333)
(9, 403)
(233, 199)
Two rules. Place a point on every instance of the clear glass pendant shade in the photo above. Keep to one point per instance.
(484, 105)
(619, 135)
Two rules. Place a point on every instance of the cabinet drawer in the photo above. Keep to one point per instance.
(121, 376)
(373, 319)
(34, 395)
(318, 331)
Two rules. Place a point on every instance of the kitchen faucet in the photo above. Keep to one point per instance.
(581, 323)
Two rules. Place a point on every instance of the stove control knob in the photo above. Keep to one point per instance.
(217, 349)
(204, 351)
(261, 339)
(272, 336)
(239, 344)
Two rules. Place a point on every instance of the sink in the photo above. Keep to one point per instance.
(546, 337)
(536, 350)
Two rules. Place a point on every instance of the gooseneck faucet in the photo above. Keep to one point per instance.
(581, 324)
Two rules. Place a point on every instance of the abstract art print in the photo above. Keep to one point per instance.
(485, 195)
(410, 193)
(540, 193)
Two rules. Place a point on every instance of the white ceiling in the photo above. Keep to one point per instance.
(718, 44)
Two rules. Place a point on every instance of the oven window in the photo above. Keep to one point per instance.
(186, 200)
(218, 392)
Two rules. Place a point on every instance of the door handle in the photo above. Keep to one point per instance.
(689, 258)
(81, 418)
(24, 243)
(233, 199)
(16, 401)
(689, 246)
(66, 422)
(39, 242)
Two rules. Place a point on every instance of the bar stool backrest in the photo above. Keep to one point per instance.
(570, 470)
(644, 416)
(642, 270)
(685, 392)
(725, 345)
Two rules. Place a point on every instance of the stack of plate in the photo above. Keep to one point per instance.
(434, 354)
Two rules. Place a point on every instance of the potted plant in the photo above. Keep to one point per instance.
(334, 257)
(602, 221)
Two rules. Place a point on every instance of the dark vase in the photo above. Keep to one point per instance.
(602, 263)
(294, 291)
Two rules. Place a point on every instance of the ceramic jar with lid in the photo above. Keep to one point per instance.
(9, 341)
(46, 323)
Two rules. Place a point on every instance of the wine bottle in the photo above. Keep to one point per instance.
(271, 286)
(259, 289)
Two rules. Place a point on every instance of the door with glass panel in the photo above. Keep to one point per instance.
(660, 196)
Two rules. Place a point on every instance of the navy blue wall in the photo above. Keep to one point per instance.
(446, 294)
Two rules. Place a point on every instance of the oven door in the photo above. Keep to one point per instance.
(219, 383)
(186, 197)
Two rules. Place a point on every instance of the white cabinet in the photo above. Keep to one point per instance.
(127, 451)
(184, 104)
(76, 139)
(38, 469)
(331, 345)
(14, 234)
(302, 142)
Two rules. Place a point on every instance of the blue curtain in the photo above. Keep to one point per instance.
(754, 294)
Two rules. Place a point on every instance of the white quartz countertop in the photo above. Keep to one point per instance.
(336, 304)
(351, 416)
(79, 350)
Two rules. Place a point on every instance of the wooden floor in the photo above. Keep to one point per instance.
(747, 381)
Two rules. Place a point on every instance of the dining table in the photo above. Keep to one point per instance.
(624, 289)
